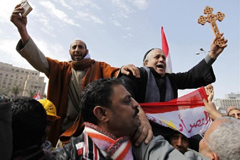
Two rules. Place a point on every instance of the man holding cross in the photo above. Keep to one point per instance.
(155, 85)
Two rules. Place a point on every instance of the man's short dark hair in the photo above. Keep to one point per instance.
(29, 122)
(97, 93)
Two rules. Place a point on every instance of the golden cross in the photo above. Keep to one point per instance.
(211, 18)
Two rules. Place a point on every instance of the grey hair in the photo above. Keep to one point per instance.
(147, 55)
(224, 139)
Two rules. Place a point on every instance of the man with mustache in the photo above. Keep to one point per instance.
(111, 117)
(155, 85)
(67, 79)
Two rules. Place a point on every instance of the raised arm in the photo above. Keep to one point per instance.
(211, 109)
(26, 47)
(21, 23)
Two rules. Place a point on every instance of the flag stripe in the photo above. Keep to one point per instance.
(166, 51)
(162, 109)
(191, 100)
(164, 43)
(186, 114)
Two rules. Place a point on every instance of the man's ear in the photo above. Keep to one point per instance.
(215, 156)
(145, 63)
(212, 155)
(100, 113)
(209, 154)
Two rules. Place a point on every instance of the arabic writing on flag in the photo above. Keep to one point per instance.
(186, 114)
(166, 51)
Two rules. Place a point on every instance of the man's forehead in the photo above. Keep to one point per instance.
(77, 42)
(179, 134)
(120, 92)
(234, 110)
(209, 86)
(157, 51)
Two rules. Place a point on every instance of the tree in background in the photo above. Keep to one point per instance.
(16, 90)
(4, 91)
(31, 93)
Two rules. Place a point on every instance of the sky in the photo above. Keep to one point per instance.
(119, 32)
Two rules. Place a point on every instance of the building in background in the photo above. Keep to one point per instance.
(232, 99)
(15, 81)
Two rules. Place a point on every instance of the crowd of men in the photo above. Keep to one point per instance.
(92, 110)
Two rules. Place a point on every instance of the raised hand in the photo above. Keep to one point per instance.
(20, 22)
(130, 68)
(216, 50)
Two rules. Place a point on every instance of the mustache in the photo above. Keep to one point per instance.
(136, 112)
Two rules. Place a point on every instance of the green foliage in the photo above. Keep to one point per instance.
(16, 90)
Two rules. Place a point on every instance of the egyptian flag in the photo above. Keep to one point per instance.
(38, 96)
(166, 51)
(185, 114)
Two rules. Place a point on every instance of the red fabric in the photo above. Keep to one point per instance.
(164, 43)
(191, 100)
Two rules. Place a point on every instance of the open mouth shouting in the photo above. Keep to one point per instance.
(160, 66)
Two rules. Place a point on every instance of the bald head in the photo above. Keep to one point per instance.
(78, 50)
(78, 40)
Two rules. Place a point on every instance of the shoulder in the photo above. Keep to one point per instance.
(71, 149)
(102, 64)
(143, 71)
(48, 155)
(191, 154)
(54, 62)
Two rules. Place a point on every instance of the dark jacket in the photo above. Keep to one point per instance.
(200, 75)
(33, 153)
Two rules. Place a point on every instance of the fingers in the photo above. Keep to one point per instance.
(222, 39)
(136, 136)
(124, 71)
(130, 68)
(205, 102)
(135, 71)
(18, 8)
(149, 136)
(144, 133)
(225, 41)
(18, 5)
(15, 15)
(215, 38)
(16, 12)
(142, 136)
